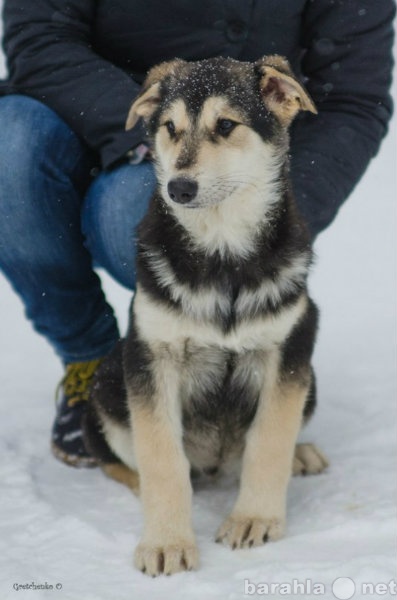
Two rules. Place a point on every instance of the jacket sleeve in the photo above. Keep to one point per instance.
(48, 45)
(348, 64)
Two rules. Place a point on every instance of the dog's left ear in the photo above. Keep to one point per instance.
(149, 97)
(282, 94)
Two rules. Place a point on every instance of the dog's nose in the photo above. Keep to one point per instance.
(182, 190)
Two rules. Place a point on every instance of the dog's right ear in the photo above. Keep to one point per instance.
(145, 104)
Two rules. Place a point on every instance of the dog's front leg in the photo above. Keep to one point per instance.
(168, 543)
(259, 512)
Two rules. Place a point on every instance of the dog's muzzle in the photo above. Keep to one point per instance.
(182, 190)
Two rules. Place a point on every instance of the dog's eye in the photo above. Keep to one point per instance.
(225, 126)
(170, 128)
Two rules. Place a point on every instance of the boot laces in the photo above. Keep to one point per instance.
(76, 381)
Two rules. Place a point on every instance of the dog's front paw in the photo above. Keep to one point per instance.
(246, 532)
(308, 460)
(166, 559)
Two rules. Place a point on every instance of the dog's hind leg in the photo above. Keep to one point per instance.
(308, 460)
(98, 446)
(123, 474)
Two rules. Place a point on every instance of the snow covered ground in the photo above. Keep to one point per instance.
(77, 530)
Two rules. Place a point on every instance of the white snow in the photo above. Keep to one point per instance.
(78, 529)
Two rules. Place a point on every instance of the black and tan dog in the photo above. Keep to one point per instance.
(215, 371)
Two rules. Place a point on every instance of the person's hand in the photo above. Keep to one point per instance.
(138, 154)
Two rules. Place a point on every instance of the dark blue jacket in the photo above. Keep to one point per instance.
(86, 58)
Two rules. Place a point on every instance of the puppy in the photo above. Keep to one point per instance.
(215, 372)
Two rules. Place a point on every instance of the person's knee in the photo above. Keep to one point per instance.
(32, 135)
(115, 205)
(40, 190)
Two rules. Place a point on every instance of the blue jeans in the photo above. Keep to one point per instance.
(57, 220)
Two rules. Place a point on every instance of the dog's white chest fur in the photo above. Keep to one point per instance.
(158, 325)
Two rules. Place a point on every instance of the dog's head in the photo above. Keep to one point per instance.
(218, 126)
